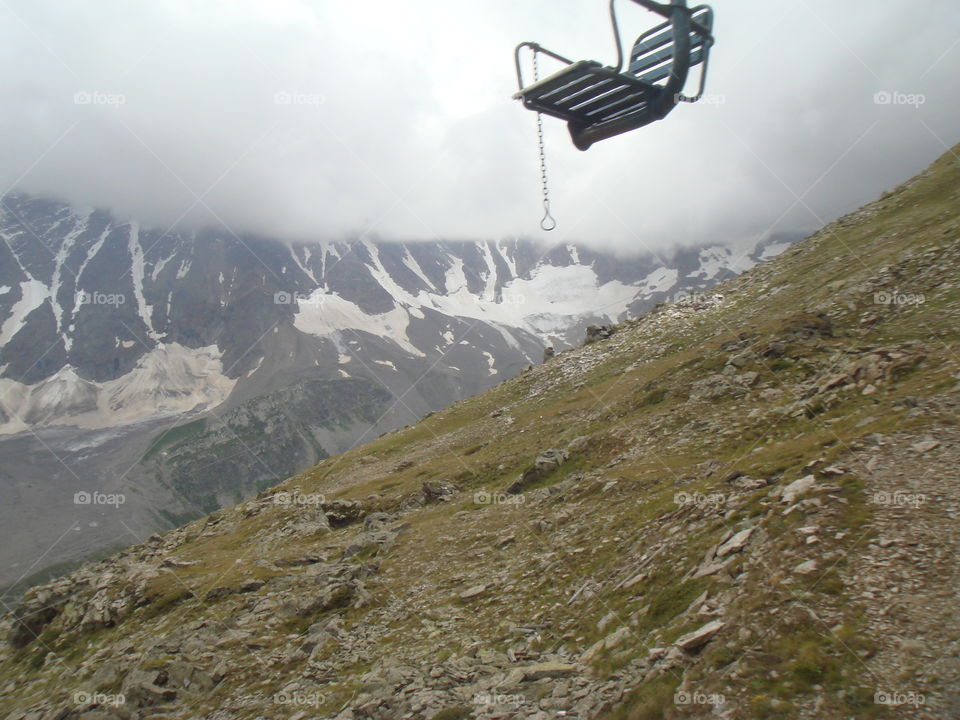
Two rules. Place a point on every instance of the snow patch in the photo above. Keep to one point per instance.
(158, 268)
(169, 380)
(660, 280)
(712, 261)
(33, 293)
(545, 304)
(257, 366)
(137, 274)
(415, 268)
(771, 251)
(491, 362)
(56, 279)
(302, 265)
(328, 313)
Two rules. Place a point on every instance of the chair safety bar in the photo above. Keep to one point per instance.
(536, 48)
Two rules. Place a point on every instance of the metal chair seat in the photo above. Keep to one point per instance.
(587, 93)
(598, 101)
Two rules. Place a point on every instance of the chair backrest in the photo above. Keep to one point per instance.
(651, 59)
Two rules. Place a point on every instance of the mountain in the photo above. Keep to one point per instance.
(738, 506)
(104, 322)
(188, 371)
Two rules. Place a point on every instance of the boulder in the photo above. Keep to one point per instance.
(34, 613)
(342, 512)
(595, 333)
(332, 597)
(797, 488)
(438, 492)
(698, 638)
(376, 520)
(546, 463)
(735, 544)
(925, 445)
(545, 670)
(473, 592)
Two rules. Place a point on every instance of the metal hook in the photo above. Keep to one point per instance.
(548, 223)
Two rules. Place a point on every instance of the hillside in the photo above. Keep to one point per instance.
(750, 497)
(189, 370)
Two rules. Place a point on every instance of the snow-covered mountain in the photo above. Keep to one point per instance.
(104, 322)
(243, 359)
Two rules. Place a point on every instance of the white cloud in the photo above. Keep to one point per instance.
(399, 120)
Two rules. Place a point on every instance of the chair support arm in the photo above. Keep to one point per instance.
(536, 48)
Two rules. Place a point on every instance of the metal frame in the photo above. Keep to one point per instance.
(659, 99)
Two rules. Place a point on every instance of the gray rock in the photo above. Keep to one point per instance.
(546, 463)
(376, 520)
(925, 445)
(698, 638)
(541, 671)
(735, 544)
(438, 492)
(595, 333)
(797, 488)
(473, 592)
(332, 597)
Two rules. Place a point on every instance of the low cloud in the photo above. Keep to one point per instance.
(306, 120)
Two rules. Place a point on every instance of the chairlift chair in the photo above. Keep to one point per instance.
(600, 101)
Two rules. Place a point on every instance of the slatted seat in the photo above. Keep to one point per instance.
(652, 54)
(599, 101)
(586, 92)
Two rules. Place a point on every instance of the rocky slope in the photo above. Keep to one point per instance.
(740, 506)
(129, 356)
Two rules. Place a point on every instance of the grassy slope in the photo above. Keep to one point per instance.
(613, 501)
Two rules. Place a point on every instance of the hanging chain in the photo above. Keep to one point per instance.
(547, 223)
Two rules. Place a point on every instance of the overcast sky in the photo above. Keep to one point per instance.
(400, 122)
